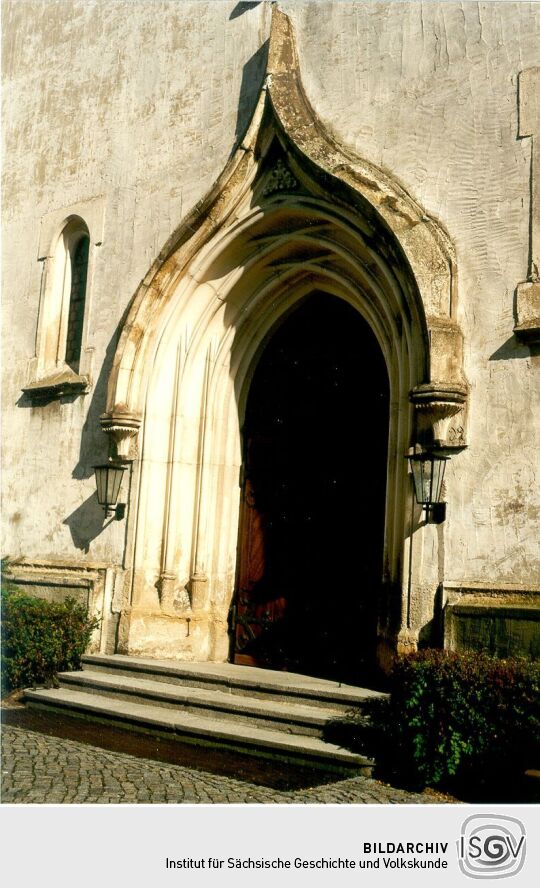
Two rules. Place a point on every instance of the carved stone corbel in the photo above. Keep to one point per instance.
(122, 428)
(435, 405)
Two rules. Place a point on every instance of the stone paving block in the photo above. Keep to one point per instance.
(88, 774)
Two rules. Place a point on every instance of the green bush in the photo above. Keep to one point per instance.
(40, 638)
(458, 719)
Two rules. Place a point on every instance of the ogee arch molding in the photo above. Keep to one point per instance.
(292, 213)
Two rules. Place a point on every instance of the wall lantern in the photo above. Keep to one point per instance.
(108, 481)
(428, 475)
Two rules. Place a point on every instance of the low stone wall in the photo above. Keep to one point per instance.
(501, 620)
(97, 587)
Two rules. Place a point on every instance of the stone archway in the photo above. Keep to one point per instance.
(289, 215)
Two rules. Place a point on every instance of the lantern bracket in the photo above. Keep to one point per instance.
(119, 511)
(435, 513)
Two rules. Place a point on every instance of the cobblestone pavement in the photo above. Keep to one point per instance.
(37, 768)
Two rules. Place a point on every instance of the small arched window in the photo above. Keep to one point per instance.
(63, 312)
(78, 258)
(67, 242)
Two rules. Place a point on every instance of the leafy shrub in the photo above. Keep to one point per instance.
(458, 720)
(41, 638)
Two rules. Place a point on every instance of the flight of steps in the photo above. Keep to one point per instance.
(276, 715)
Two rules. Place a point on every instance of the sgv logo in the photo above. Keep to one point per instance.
(491, 846)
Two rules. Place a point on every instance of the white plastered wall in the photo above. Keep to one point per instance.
(139, 108)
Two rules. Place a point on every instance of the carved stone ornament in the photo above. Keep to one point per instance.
(173, 599)
(435, 406)
(122, 427)
(279, 179)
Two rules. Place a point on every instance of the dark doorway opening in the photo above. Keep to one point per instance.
(312, 523)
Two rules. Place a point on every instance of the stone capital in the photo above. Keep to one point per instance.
(435, 405)
(122, 428)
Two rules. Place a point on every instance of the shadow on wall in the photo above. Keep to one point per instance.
(243, 7)
(252, 78)
(513, 349)
(86, 523)
(432, 633)
(26, 401)
(94, 446)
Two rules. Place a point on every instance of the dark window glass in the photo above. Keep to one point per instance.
(79, 270)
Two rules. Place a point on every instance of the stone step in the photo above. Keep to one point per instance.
(188, 727)
(291, 717)
(264, 684)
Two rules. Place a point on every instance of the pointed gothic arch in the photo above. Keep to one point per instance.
(292, 212)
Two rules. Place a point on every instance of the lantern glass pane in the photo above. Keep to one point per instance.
(428, 476)
(101, 483)
(438, 467)
(419, 478)
(119, 474)
(114, 481)
(109, 485)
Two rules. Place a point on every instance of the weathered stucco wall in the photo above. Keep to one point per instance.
(138, 102)
(142, 103)
(429, 91)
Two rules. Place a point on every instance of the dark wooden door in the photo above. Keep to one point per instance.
(312, 524)
(260, 605)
